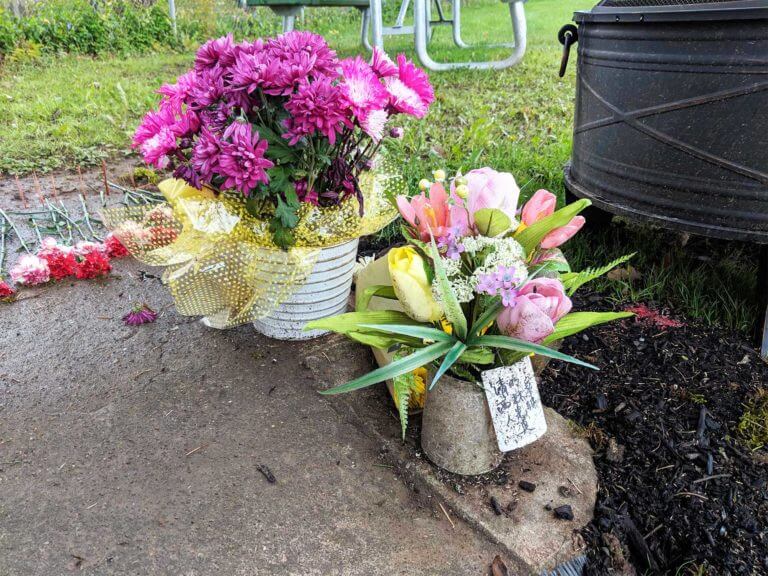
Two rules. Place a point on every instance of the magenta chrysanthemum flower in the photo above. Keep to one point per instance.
(301, 56)
(373, 124)
(317, 106)
(30, 270)
(186, 125)
(362, 88)
(209, 89)
(242, 159)
(157, 149)
(205, 154)
(304, 194)
(152, 123)
(217, 51)
(256, 70)
(382, 64)
(177, 94)
(140, 314)
(410, 92)
(6, 291)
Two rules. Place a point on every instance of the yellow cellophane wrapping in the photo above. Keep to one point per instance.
(221, 263)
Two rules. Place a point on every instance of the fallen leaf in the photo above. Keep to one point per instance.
(498, 568)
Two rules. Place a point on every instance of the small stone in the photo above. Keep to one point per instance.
(564, 512)
(615, 451)
(496, 506)
(601, 402)
(565, 492)
(527, 486)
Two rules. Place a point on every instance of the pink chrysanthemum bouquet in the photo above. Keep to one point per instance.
(282, 121)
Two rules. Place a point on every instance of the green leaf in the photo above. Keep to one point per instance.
(401, 386)
(453, 312)
(449, 360)
(384, 341)
(574, 280)
(491, 222)
(363, 299)
(282, 235)
(575, 322)
(408, 364)
(490, 314)
(508, 343)
(532, 236)
(424, 332)
(351, 321)
(477, 356)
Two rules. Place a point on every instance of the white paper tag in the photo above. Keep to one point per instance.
(516, 410)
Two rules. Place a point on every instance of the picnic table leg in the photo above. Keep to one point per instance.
(365, 28)
(519, 28)
(377, 24)
(762, 294)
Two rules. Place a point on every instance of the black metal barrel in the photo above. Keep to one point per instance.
(672, 114)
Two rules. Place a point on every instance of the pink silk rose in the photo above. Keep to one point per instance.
(543, 204)
(433, 213)
(537, 308)
(490, 189)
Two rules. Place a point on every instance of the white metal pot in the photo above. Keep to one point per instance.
(325, 293)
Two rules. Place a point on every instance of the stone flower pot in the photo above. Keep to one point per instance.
(462, 432)
(325, 293)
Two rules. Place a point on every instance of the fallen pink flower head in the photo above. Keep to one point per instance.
(140, 314)
(645, 314)
(538, 306)
(30, 270)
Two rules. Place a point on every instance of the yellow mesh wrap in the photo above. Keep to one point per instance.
(221, 262)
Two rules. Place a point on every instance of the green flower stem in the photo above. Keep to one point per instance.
(16, 230)
(3, 231)
(87, 217)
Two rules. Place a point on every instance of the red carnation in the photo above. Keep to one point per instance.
(163, 235)
(93, 265)
(5, 290)
(62, 263)
(115, 248)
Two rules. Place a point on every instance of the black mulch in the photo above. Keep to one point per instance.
(679, 493)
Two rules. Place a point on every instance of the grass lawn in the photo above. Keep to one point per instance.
(70, 111)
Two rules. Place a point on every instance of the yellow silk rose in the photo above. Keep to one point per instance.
(413, 289)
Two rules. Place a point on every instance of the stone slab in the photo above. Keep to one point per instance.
(559, 463)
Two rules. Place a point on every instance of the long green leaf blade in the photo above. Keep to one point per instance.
(534, 234)
(384, 341)
(522, 346)
(452, 307)
(407, 364)
(572, 281)
(363, 299)
(351, 321)
(415, 331)
(449, 360)
(575, 322)
(490, 314)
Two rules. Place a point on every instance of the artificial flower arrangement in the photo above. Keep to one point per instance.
(282, 121)
(276, 149)
(478, 288)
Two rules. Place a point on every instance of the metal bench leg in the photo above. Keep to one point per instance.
(289, 14)
(459, 41)
(519, 28)
(365, 28)
(377, 24)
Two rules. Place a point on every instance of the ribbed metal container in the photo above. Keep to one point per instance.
(670, 114)
(324, 294)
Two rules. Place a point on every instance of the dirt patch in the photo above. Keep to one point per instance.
(677, 489)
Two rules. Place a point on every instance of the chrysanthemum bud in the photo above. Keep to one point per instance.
(396, 132)
(462, 191)
(439, 175)
(424, 184)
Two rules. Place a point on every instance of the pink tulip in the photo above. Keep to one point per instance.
(490, 189)
(561, 235)
(541, 205)
(427, 215)
(537, 308)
